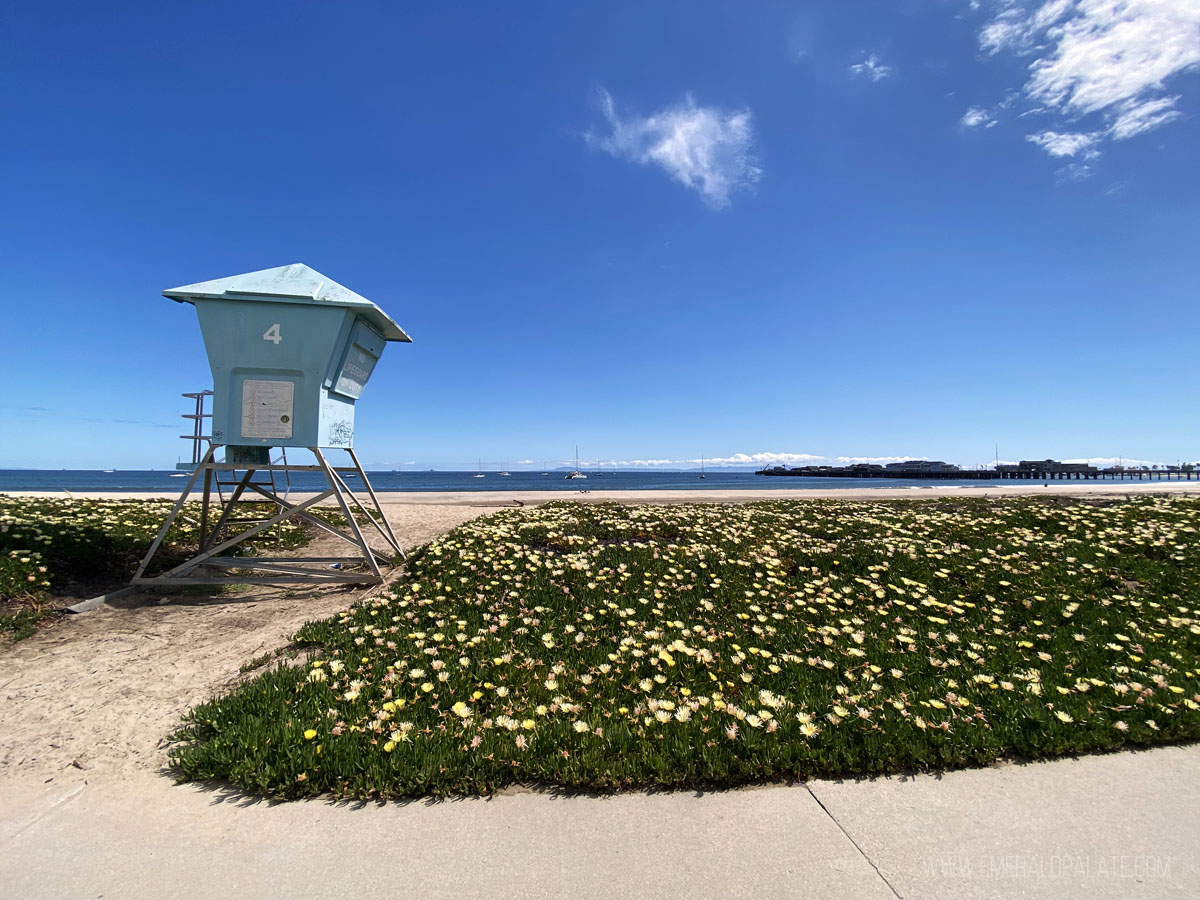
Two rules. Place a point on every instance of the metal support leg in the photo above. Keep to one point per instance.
(335, 480)
(162, 532)
(391, 535)
(204, 508)
(366, 512)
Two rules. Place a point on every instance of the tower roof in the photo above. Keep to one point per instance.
(296, 283)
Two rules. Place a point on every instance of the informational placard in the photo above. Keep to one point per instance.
(267, 409)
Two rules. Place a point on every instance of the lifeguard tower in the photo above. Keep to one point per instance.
(291, 352)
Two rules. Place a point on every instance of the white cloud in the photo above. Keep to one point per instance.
(736, 459)
(1013, 30)
(878, 460)
(976, 116)
(872, 68)
(1103, 461)
(1065, 143)
(1112, 52)
(747, 459)
(704, 148)
(640, 463)
(1105, 58)
(1135, 116)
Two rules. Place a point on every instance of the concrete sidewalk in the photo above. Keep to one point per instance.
(1125, 825)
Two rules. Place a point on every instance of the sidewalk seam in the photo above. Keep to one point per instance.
(870, 862)
(39, 816)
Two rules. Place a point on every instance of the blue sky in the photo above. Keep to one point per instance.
(757, 232)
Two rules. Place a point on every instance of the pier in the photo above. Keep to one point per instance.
(1026, 470)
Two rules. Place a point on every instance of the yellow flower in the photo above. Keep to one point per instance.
(310, 734)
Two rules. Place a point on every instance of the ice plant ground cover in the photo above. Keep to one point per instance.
(608, 646)
(48, 543)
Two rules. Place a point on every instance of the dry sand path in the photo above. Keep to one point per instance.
(100, 690)
(86, 811)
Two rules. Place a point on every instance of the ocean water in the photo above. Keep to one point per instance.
(165, 480)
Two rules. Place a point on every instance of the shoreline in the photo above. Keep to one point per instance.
(718, 495)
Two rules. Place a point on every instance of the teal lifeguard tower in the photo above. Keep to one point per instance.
(291, 353)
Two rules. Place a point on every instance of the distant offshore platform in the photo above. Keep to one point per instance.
(1026, 469)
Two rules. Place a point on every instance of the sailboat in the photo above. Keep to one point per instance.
(505, 472)
(479, 474)
(575, 473)
(702, 475)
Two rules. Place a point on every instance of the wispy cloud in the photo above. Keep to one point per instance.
(1105, 59)
(976, 117)
(758, 459)
(1134, 117)
(704, 148)
(635, 463)
(1072, 172)
(1113, 461)
(1066, 143)
(735, 459)
(877, 460)
(871, 68)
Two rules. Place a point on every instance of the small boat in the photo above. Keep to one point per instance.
(575, 473)
(479, 474)
(109, 471)
(702, 475)
(505, 472)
